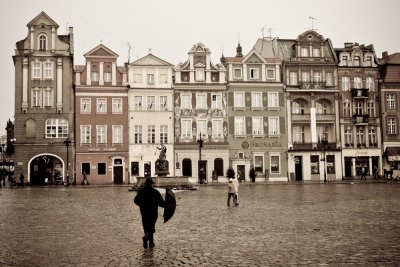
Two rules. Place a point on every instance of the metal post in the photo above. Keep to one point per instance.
(67, 142)
(324, 143)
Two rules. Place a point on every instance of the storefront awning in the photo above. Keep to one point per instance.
(392, 153)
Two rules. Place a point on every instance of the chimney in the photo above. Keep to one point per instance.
(348, 45)
(384, 55)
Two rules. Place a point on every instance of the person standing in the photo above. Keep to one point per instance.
(236, 191)
(375, 172)
(253, 174)
(363, 172)
(231, 192)
(149, 199)
(21, 179)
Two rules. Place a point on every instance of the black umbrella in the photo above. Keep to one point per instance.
(170, 204)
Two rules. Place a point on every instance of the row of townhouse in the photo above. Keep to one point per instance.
(292, 109)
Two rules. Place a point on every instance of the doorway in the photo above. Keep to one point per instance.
(347, 167)
(240, 170)
(298, 168)
(147, 169)
(202, 171)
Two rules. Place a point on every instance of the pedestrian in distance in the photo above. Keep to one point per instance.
(149, 199)
(375, 172)
(231, 192)
(236, 191)
(253, 174)
(21, 179)
(363, 173)
(85, 180)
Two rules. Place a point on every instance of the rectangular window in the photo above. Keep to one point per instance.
(48, 70)
(240, 126)
(186, 128)
(163, 103)
(95, 76)
(164, 134)
(201, 101)
(293, 78)
(86, 168)
(85, 134)
(273, 126)
(117, 105)
(101, 134)
(314, 164)
(330, 164)
(305, 76)
(101, 168)
(256, 100)
(273, 100)
(36, 98)
(360, 136)
(347, 109)
(237, 73)
(359, 108)
(275, 164)
(201, 128)
(329, 78)
(259, 164)
(358, 82)
(371, 109)
(36, 70)
(117, 134)
(137, 103)
(253, 73)
(150, 79)
(238, 101)
(216, 101)
(348, 136)
(298, 134)
(316, 52)
(344, 60)
(372, 136)
(390, 101)
(317, 77)
(368, 61)
(107, 77)
(304, 51)
(151, 134)
(151, 103)
(134, 168)
(345, 83)
(48, 97)
(216, 128)
(370, 83)
(138, 134)
(270, 74)
(85, 105)
(101, 104)
(199, 75)
(56, 128)
(258, 126)
(392, 126)
(186, 101)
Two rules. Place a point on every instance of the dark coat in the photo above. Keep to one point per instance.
(148, 199)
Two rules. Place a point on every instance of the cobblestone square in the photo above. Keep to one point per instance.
(294, 224)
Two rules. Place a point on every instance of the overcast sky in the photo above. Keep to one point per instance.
(171, 27)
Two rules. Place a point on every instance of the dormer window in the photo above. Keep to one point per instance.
(304, 52)
(42, 42)
(253, 73)
(356, 61)
(316, 52)
(368, 61)
(199, 75)
(344, 61)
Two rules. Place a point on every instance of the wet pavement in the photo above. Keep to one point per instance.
(293, 224)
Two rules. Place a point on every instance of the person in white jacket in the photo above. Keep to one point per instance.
(236, 191)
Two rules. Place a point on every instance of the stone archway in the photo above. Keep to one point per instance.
(46, 169)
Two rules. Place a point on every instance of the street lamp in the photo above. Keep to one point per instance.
(200, 162)
(67, 142)
(324, 142)
(11, 153)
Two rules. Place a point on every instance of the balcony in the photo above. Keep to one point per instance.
(360, 92)
(360, 119)
(312, 85)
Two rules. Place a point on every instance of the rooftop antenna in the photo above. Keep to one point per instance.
(129, 51)
(312, 23)
(66, 28)
(269, 32)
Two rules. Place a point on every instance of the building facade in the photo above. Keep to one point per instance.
(44, 103)
(390, 103)
(312, 101)
(101, 113)
(201, 121)
(360, 122)
(257, 117)
(151, 116)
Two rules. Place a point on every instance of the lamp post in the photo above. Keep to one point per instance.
(200, 163)
(67, 142)
(324, 142)
(200, 141)
(10, 153)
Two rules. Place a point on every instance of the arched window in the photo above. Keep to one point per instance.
(42, 42)
(298, 107)
(56, 128)
(219, 166)
(187, 167)
(322, 107)
(356, 61)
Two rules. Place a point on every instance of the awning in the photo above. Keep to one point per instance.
(392, 153)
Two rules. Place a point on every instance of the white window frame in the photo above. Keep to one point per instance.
(348, 135)
(47, 97)
(239, 100)
(186, 101)
(86, 105)
(42, 42)
(360, 135)
(372, 135)
(101, 134)
(268, 71)
(163, 103)
(117, 134)
(101, 105)
(201, 101)
(56, 128)
(272, 170)
(48, 70)
(94, 75)
(293, 78)
(107, 76)
(138, 134)
(256, 100)
(36, 70)
(371, 109)
(298, 134)
(316, 52)
(216, 101)
(151, 134)
(151, 103)
(200, 75)
(163, 134)
(390, 101)
(347, 109)
(201, 126)
(186, 128)
(369, 82)
(36, 97)
(273, 126)
(150, 79)
(304, 52)
(317, 76)
(392, 125)
(305, 76)
(346, 83)
(273, 100)
(217, 128)
(254, 74)
(234, 73)
(240, 126)
(138, 103)
(257, 126)
(117, 105)
(357, 82)
(86, 134)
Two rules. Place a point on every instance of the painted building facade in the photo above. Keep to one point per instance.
(257, 116)
(101, 113)
(360, 122)
(312, 101)
(44, 104)
(200, 109)
(390, 103)
(151, 115)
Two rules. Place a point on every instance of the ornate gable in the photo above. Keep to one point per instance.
(253, 57)
(42, 19)
(310, 36)
(101, 51)
(150, 60)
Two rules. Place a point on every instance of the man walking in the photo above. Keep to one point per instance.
(149, 199)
